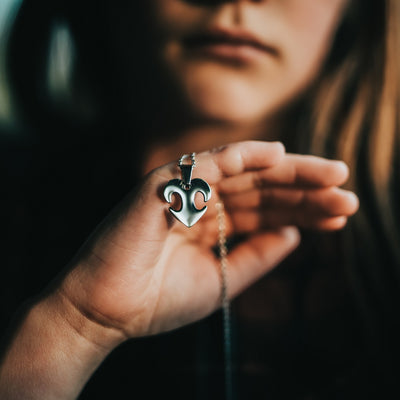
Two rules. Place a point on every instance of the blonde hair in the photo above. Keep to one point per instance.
(373, 109)
(355, 110)
(352, 115)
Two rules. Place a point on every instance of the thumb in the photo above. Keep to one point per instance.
(258, 255)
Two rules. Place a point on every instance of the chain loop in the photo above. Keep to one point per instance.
(185, 156)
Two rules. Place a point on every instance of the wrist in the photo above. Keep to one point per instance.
(54, 351)
(79, 325)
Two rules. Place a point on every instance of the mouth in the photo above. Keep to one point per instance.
(229, 45)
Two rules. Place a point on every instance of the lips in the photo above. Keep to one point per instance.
(234, 45)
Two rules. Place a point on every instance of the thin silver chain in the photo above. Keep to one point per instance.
(225, 303)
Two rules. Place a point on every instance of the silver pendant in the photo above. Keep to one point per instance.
(187, 188)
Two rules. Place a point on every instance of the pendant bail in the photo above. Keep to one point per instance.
(186, 170)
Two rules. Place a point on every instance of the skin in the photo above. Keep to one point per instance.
(299, 31)
(132, 277)
(228, 100)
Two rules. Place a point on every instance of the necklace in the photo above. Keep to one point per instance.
(225, 303)
(189, 215)
(187, 188)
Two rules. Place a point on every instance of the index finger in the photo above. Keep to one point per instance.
(231, 160)
(294, 170)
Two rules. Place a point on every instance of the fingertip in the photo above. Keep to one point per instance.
(340, 223)
(279, 146)
(333, 224)
(354, 202)
(279, 151)
(342, 171)
(292, 234)
(344, 202)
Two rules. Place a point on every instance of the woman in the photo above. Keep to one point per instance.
(218, 74)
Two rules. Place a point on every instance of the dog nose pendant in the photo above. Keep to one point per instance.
(187, 188)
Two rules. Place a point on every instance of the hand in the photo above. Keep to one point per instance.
(143, 272)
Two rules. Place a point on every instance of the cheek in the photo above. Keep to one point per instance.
(174, 17)
(312, 24)
(314, 17)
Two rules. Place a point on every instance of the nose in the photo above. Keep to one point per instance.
(218, 2)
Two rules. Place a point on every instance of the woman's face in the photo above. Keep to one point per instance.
(242, 60)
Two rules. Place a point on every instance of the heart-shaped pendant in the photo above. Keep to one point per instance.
(187, 188)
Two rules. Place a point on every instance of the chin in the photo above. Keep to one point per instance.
(220, 94)
(227, 103)
(227, 110)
